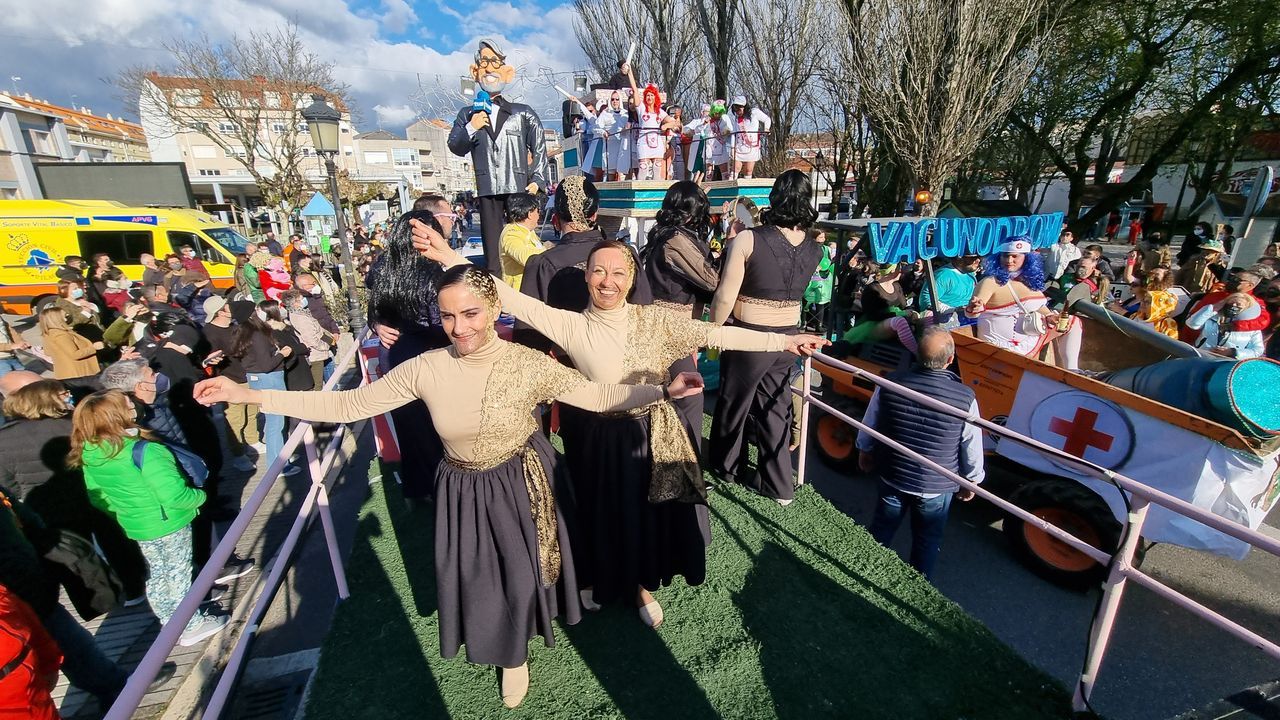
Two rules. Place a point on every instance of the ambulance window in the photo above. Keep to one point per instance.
(178, 239)
(124, 247)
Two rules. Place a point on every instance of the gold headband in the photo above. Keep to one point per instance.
(577, 196)
(480, 283)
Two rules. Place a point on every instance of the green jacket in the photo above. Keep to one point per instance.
(251, 279)
(819, 290)
(148, 503)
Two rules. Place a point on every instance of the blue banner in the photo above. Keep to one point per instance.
(926, 238)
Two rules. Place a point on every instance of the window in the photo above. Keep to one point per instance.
(272, 99)
(41, 143)
(228, 239)
(186, 98)
(278, 128)
(204, 152)
(302, 127)
(209, 173)
(203, 250)
(125, 247)
(404, 157)
(236, 152)
(227, 128)
(231, 98)
(200, 127)
(375, 158)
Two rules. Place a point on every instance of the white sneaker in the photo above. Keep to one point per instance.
(261, 447)
(207, 626)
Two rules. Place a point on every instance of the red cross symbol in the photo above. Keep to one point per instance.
(1080, 434)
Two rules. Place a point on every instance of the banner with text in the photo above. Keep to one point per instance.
(926, 238)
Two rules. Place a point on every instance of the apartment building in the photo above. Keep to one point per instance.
(95, 138)
(445, 172)
(186, 120)
(28, 136)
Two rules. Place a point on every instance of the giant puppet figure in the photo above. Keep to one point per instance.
(504, 140)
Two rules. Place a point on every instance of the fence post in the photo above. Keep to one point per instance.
(1112, 592)
(805, 377)
(326, 518)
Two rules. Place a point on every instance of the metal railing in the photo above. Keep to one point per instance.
(1120, 563)
(316, 501)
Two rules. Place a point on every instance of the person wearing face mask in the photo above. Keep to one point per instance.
(191, 261)
(263, 357)
(1256, 317)
(317, 342)
(74, 356)
(150, 500)
(1193, 243)
(81, 314)
(321, 301)
(115, 292)
(504, 558)
(1200, 273)
(72, 268)
(220, 331)
(1219, 333)
(191, 294)
(173, 272)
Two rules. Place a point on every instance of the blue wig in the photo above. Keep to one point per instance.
(1032, 269)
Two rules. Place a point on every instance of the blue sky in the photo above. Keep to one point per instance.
(400, 58)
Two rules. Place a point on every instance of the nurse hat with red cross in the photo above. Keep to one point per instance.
(1015, 245)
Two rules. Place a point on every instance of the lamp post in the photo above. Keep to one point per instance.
(322, 121)
(817, 177)
(1194, 149)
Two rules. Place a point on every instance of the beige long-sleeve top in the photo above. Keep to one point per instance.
(630, 344)
(482, 404)
(728, 301)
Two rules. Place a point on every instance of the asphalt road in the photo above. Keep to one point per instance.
(1162, 661)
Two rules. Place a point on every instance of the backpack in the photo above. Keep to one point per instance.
(191, 464)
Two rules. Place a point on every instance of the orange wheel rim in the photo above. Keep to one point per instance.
(835, 438)
(1053, 551)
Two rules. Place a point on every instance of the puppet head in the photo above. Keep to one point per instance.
(490, 69)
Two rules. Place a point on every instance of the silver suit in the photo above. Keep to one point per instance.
(500, 153)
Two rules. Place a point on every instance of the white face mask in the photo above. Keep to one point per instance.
(315, 290)
(132, 432)
(261, 315)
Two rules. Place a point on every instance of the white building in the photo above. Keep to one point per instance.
(28, 135)
(207, 139)
(442, 171)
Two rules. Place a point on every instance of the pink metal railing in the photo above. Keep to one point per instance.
(315, 502)
(1120, 563)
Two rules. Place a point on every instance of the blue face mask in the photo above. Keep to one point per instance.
(71, 402)
(162, 383)
(77, 293)
(304, 303)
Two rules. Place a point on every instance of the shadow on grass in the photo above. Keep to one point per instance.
(636, 668)
(415, 535)
(357, 677)
(912, 655)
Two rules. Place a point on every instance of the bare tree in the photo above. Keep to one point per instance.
(246, 97)
(780, 60)
(668, 51)
(935, 75)
(717, 19)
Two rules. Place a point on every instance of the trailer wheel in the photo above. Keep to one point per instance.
(834, 441)
(1074, 508)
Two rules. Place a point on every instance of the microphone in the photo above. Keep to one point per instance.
(482, 103)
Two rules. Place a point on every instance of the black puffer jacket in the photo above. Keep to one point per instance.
(33, 469)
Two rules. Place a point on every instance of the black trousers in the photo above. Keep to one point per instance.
(420, 447)
(755, 406)
(492, 219)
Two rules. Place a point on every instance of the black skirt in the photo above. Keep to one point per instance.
(490, 594)
(623, 541)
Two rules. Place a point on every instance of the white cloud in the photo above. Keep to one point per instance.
(395, 116)
(387, 79)
(398, 17)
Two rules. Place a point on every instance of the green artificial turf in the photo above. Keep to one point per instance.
(802, 615)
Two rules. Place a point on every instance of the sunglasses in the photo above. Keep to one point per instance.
(450, 215)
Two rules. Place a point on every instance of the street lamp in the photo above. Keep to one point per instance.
(322, 121)
(467, 87)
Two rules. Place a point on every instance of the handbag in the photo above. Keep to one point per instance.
(1029, 322)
